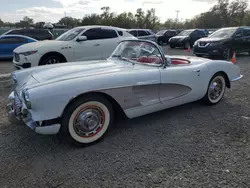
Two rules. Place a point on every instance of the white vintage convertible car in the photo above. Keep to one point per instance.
(80, 100)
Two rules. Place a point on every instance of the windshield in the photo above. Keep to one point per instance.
(161, 32)
(223, 33)
(70, 35)
(138, 52)
(186, 32)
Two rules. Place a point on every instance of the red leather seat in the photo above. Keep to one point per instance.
(179, 61)
(145, 59)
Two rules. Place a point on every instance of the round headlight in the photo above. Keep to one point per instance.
(26, 97)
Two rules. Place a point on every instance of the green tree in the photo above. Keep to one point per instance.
(140, 18)
(70, 22)
(1, 23)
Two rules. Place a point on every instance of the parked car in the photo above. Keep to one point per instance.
(163, 36)
(9, 42)
(224, 42)
(80, 100)
(186, 38)
(143, 34)
(38, 34)
(77, 44)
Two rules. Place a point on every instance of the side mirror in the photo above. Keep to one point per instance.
(81, 38)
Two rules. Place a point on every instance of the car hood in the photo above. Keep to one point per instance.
(207, 39)
(36, 45)
(65, 71)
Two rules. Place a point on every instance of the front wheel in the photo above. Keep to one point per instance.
(216, 90)
(172, 46)
(53, 59)
(86, 120)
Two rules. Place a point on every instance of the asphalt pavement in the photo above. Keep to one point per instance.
(187, 146)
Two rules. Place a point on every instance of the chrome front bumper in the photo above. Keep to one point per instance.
(236, 79)
(17, 114)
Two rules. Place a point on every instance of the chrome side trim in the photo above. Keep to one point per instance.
(237, 78)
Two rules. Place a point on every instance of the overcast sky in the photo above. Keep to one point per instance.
(53, 10)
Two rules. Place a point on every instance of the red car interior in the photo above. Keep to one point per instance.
(145, 59)
(176, 61)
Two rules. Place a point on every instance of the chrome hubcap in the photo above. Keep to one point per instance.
(215, 89)
(52, 61)
(88, 122)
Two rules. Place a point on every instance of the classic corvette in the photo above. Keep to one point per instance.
(80, 100)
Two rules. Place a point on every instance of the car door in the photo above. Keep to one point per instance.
(182, 83)
(133, 32)
(246, 40)
(195, 35)
(89, 49)
(144, 35)
(238, 41)
(108, 42)
(10, 43)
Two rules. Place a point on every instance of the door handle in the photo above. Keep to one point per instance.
(96, 44)
(198, 70)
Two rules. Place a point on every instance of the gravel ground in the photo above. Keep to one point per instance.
(188, 146)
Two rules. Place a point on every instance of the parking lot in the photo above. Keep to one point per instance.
(188, 146)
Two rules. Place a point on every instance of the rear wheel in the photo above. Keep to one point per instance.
(227, 54)
(216, 90)
(86, 120)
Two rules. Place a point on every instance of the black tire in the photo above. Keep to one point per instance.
(78, 109)
(207, 98)
(172, 46)
(227, 53)
(52, 58)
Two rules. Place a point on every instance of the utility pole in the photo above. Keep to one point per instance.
(65, 19)
(177, 14)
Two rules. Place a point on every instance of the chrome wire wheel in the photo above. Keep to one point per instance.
(216, 89)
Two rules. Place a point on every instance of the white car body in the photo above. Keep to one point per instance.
(138, 89)
(27, 56)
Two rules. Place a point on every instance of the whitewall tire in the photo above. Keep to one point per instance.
(87, 120)
(216, 90)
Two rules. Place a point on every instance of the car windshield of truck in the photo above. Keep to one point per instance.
(223, 33)
(138, 52)
(70, 35)
(186, 32)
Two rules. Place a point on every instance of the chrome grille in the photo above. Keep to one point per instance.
(17, 105)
